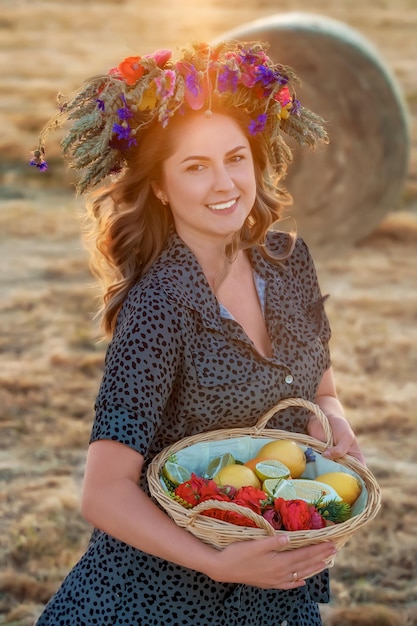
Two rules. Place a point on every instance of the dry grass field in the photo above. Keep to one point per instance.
(51, 360)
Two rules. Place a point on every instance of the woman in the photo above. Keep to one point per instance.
(213, 319)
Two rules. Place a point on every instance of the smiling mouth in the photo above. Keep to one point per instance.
(221, 206)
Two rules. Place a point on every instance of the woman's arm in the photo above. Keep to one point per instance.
(113, 502)
(344, 438)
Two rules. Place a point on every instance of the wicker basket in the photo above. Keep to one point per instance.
(219, 533)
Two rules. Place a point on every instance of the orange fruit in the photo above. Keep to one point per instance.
(252, 462)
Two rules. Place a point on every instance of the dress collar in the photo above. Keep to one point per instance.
(183, 279)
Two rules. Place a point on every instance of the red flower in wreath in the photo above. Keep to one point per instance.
(131, 70)
(283, 96)
(161, 57)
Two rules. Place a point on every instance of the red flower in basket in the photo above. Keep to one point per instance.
(248, 497)
(273, 517)
(298, 515)
(251, 497)
(317, 521)
(195, 489)
(215, 496)
(230, 516)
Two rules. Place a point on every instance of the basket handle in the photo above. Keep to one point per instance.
(306, 404)
(260, 521)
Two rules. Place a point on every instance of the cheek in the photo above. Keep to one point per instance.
(249, 182)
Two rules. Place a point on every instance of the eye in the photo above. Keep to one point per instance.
(196, 167)
(236, 158)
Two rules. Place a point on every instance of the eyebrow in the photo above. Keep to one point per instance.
(205, 158)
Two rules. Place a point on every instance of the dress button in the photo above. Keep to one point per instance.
(289, 379)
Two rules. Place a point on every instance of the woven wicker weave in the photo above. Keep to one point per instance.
(219, 533)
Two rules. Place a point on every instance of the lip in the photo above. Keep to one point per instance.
(225, 207)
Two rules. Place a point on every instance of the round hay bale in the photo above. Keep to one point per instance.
(341, 191)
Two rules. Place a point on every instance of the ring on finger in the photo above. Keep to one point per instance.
(294, 577)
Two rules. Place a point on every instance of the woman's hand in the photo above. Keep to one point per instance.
(344, 439)
(265, 563)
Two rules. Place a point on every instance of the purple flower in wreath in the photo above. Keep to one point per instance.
(296, 106)
(227, 80)
(100, 104)
(124, 136)
(41, 165)
(124, 112)
(265, 75)
(192, 82)
(258, 125)
(269, 78)
(38, 160)
(123, 132)
(195, 90)
(248, 57)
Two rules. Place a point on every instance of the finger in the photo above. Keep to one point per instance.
(297, 578)
(277, 543)
(315, 555)
(336, 452)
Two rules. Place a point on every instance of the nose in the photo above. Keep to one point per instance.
(222, 180)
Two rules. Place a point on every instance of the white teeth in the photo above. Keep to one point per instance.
(222, 205)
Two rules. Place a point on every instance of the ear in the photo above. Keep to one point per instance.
(159, 192)
(156, 188)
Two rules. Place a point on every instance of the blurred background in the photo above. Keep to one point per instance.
(365, 245)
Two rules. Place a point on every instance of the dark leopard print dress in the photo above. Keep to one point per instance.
(179, 365)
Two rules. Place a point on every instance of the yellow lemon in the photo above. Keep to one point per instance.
(347, 486)
(237, 476)
(288, 452)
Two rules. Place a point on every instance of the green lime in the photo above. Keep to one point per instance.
(279, 488)
(312, 490)
(175, 473)
(271, 469)
(218, 463)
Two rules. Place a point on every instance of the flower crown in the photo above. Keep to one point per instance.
(109, 112)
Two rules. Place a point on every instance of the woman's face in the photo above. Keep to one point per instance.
(209, 179)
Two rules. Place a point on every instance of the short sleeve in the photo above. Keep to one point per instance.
(313, 300)
(140, 369)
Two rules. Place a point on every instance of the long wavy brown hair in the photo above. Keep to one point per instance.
(126, 225)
